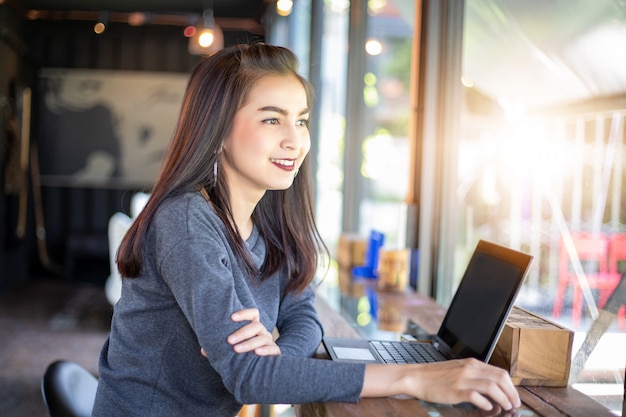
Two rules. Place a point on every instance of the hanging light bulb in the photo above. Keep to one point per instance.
(101, 25)
(208, 37)
(99, 28)
(191, 28)
(284, 7)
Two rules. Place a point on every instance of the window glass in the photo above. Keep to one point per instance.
(384, 165)
(332, 108)
(384, 146)
(542, 165)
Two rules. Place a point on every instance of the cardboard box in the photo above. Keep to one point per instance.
(351, 251)
(534, 350)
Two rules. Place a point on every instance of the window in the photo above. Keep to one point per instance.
(540, 163)
(363, 159)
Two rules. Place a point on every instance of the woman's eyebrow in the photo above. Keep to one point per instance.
(282, 111)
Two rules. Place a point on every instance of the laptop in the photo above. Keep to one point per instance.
(472, 324)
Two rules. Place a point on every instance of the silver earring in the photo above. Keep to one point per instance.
(215, 173)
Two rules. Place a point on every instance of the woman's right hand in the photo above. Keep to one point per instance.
(447, 382)
(251, 337)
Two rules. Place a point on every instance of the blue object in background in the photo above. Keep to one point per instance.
(376, 241)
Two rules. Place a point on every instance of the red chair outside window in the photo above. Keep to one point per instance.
(617, 266)
(592, 251)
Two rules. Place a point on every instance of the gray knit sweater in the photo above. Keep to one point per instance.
(189, 286)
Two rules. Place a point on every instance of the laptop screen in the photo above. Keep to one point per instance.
(483, 300)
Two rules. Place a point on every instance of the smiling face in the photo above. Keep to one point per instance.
(269, 138)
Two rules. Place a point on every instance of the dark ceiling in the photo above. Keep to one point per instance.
(235, 13)
(221, 8)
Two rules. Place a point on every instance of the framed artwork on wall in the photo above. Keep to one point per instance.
(105, 128)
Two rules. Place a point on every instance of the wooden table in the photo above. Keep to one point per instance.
(427, 314)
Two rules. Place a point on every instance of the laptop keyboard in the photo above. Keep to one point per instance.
(406, 352)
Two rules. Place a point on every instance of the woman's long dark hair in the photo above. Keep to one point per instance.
(217, 89)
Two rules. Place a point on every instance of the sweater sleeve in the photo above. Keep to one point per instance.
(298, 325)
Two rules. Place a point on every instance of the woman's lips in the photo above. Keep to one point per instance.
(284, 164)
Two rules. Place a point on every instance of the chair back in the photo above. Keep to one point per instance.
(68, 389)
(617, 253)
(591, 250)
(119, 223)
(137, 203)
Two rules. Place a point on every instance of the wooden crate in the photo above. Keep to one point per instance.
(534, 350)
(351, 250)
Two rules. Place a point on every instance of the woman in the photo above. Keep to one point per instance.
(225, 251)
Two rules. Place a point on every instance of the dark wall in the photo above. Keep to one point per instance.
(120, 47)
(15, 73)
(76, 218)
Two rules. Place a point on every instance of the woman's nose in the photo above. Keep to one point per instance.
(294, 137)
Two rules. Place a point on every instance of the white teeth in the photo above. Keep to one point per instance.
(283, 162)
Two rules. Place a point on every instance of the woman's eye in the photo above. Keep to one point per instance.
(272, 121)
(303, 122)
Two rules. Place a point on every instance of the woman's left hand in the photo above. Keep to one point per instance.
(253, 336)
